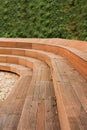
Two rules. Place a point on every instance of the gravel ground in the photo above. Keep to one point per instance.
(7, 82)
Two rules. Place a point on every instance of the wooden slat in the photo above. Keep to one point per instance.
(40, 91)
(71, 101)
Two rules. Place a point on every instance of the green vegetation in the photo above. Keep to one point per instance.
(44, 18)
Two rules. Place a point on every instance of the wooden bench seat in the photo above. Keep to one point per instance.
(40, 78)
(15, 68)
(39, 111)
(11, 108)
(70, 89)
(78, 59)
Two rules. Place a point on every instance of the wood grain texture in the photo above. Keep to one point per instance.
(51, 93)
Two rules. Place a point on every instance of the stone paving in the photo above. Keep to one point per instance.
(7, 82)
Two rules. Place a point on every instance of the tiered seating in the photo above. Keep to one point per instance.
(40, 77)
(10, 109)
(54, 79)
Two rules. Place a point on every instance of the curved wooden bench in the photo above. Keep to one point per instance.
(77, 58)
(80, 45)
(72, 113)
(14, 68)
(39, 111)
(11, 107)
(40, 77)
(18, 69)
(57, 78)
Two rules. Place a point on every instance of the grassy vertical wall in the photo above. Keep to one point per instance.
(44, 18)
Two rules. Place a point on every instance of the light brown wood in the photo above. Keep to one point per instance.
(53, 96)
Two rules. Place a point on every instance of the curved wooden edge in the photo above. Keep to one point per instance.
(76, 58)
(43, 46)
(27, 62)
(18, 69)
(17, 96)
(46, 58)
(80, 45)
(79, 63)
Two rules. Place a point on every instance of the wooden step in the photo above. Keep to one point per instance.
(69, 53)
(70, 89)
(11, 108)
(69, 85)
(39, 74)
(79, 60)
(15, 68)
(40, 111)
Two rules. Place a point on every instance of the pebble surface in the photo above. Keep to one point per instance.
(7, 82)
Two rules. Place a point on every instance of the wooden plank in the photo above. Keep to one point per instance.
(41, 116)
(68, 90)
(29, 117)
(36, 90)
(79, 85)
(51, 115)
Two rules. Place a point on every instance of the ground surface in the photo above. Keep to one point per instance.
(7, 82)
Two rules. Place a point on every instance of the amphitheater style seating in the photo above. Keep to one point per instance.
(51, 93)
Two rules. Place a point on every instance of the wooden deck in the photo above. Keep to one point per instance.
(51, 93)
